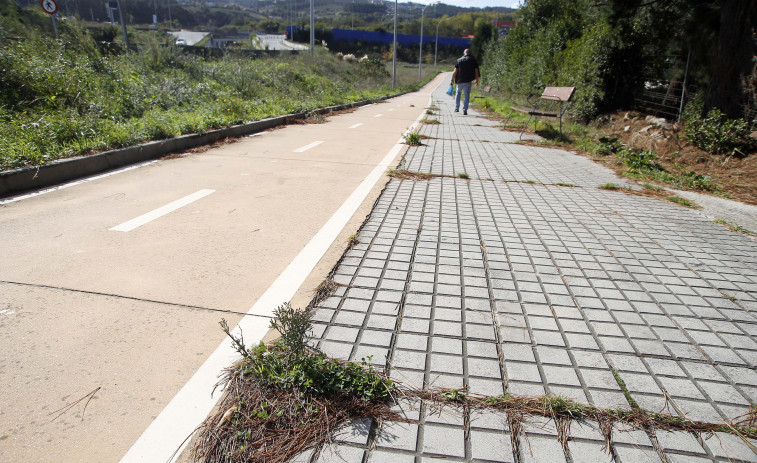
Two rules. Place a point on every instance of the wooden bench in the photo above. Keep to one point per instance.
(558, 98)
(487, 89)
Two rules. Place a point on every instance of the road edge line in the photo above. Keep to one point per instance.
(167, 436)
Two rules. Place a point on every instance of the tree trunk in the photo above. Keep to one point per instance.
(734, 59)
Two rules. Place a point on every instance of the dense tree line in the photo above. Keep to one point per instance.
(607, 50)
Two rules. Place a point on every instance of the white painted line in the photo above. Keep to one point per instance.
(13, 199)
(307, 147)
(378, 115)
(161, 211)
(356, 125)
(166, 437)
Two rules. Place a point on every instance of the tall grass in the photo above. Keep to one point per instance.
(60, 98)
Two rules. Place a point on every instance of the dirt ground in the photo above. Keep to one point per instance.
(733, 177)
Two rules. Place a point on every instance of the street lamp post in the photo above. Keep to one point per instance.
(394, 49)
(420, 50)
(436, 43)
(312, 28)
(123, 26)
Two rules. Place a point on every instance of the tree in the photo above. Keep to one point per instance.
(484, 31)
(734, 62)
(719, 33)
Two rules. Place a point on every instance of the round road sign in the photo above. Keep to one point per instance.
(49, 6)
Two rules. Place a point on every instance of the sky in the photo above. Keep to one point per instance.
(478, 3)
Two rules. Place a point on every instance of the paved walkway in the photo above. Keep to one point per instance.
(529, 279)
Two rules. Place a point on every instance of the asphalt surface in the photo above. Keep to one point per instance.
(526, 278)
(279, 42)
(111, 289)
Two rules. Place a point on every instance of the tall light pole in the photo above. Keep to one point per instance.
(312, 28)
(420, 48)
(123, 26)
(436, 44)
(394, 52)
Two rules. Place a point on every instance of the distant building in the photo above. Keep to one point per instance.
(503, 27)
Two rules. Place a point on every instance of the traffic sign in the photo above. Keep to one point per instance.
(49, 6)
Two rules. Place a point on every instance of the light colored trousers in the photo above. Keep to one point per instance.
(463, 88)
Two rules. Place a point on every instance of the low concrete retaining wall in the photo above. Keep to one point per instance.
(64, 170)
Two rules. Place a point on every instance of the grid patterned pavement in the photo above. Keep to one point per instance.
(500, 286)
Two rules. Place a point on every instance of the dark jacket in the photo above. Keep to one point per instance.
(466, 69)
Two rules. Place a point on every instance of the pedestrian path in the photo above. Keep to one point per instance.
(526, 278)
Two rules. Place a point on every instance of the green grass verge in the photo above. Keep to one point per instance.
(61, 98)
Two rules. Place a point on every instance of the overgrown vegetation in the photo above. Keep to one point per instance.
(634, 147)
(284, 398)
(60, 98)
(642, 164)
(560, 407)
(717, 134)
(613, 51)
(616, 53)
(413, 138)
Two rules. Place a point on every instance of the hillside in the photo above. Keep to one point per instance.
(77, 95)
(274, 14)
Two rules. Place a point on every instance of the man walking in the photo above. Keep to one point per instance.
(466, 71)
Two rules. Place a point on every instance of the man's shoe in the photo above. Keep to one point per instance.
(465, 112)
(457, 110)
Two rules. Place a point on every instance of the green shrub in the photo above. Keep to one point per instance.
(639, 160)
(413, 138)
(65, 97)
(717, 134)
(582, 64)
(608, 146)
(314, 374)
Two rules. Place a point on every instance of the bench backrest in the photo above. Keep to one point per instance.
(558, 93)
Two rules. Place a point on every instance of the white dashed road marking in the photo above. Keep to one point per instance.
(307, 147)
(161, 211)
(166, 437)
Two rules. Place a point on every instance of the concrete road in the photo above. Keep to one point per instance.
(279, 42)
(191, 37)
(94, 302)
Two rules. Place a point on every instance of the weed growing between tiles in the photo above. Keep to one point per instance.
(285, 398)
(564, 411)
(402, 174)
(735, 228)
(651, 191)
(413, 139)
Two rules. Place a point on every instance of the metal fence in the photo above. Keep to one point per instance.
(666, 91)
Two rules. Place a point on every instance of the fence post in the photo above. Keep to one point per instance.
(683, 87)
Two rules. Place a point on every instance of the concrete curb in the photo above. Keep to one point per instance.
(64, 170)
